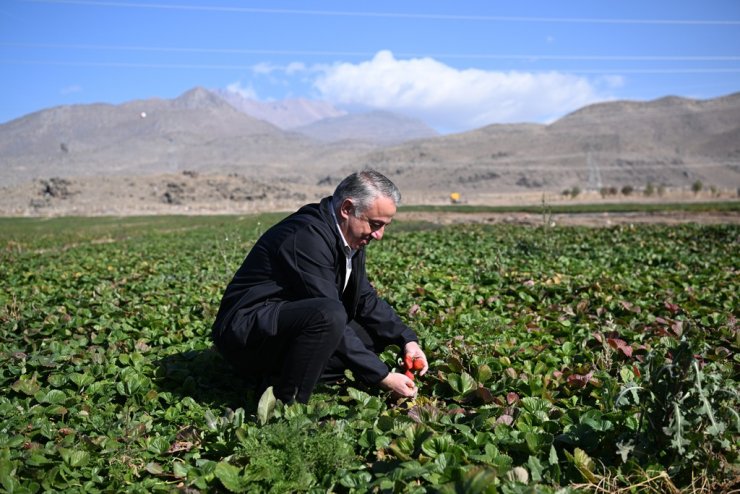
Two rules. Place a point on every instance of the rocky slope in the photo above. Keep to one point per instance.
(670, 142)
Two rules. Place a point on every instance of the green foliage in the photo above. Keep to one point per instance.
(608, 191)
(572, 192)
(558, 357)
(688, 411)
(619, 207)
(295, 455)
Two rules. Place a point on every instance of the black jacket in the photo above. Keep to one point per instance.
(301, 257)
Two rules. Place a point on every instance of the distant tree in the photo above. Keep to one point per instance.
(661, 190)
(714, 190)
(627, 190)
(608, 191)
(649, 189)
(575, 191)
(697, 186)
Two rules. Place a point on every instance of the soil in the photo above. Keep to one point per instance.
(191, 193)
(580, 219)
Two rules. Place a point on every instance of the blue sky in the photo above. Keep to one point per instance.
(456, 65)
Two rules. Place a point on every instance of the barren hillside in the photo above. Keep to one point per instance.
(670, 143)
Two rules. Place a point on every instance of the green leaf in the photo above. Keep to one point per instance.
(537, 441)
(625, 449)
(74, 457)
(676, 430)
(484, 373)
(462, 383)
(474, 481)
(37, 460)
(8, 474)
(53, 397)
(536, 405)
(230, 476)
(403, 448)
(81, 380)
(359, 396)
(436, 445)
(266, 406)
(159, 445)
(211, 420)
(180, 469)
(26, 385)
(356, 480)
(716, 429)
(595, 420)
(536, 468)
(154, 468)
(502, 463)
(583, 463)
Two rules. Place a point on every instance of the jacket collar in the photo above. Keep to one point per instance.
(330, 217)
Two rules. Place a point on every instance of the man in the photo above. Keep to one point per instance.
(301, 308)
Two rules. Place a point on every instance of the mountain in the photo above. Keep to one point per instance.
(285, 114)
(197, 130)
(670, 141)
(320, 120)
(377, 127)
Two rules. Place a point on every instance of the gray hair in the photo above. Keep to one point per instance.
(363, 188)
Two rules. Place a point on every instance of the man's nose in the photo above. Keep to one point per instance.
(378, 234)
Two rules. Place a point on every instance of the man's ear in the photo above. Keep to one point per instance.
(346, 209)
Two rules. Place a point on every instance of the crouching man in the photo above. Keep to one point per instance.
(300, 307)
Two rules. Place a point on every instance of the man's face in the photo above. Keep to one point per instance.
(359, 228)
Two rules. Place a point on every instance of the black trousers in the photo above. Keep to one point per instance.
(302, 352)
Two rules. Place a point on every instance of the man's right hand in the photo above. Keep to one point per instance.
(399, 384)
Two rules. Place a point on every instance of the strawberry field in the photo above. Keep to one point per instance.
(561, 359)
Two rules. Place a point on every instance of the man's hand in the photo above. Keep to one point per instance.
(399, 385)
(413, 350)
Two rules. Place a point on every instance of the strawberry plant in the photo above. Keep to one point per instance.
(559, 358)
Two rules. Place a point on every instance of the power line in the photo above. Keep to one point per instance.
(399, 15)
(615, 71)
(130, 65)
(492, 56)
(227, 51)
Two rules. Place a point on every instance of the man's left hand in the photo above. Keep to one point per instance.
(413, 350)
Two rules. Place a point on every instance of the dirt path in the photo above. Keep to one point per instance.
(580, 219)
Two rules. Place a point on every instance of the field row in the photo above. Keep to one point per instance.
(560, 357)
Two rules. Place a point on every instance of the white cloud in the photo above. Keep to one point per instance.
(245, 92)
(70, 90)
(451, 99)
(612, 81)
(265, 68)
(295, 68)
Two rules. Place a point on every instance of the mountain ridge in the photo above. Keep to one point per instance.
(285, 114)
(672, 141)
